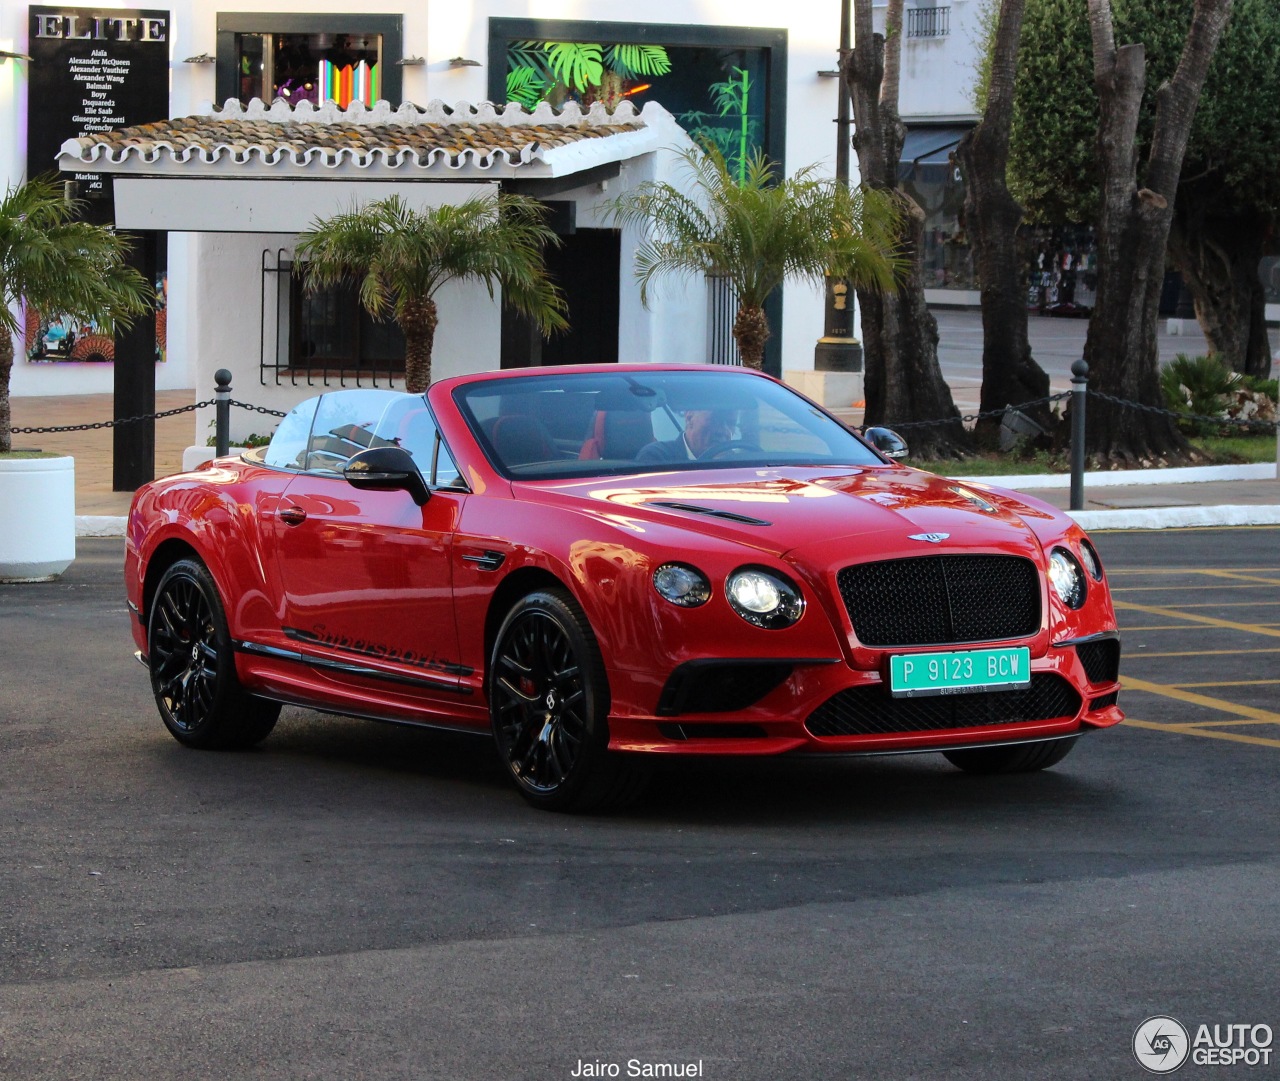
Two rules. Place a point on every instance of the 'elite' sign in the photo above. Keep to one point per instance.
(93, 69)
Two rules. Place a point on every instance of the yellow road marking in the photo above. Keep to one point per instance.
(1182, 589)
(1232, 683)
(1137, 656)
(1218, 705)
(1193, 570)
(1234, 737)
(1240, 576)
(1233, 604)
(1208, 621)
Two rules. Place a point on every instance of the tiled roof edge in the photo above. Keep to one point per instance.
(434, 112)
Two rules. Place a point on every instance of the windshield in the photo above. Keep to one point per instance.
(569, 425)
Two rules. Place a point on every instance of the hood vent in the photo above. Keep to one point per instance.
(728, 515)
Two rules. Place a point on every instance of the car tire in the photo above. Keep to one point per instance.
(549, 706)
(1017, 758)
(193, 666)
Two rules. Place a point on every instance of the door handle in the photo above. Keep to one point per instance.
(293, 515)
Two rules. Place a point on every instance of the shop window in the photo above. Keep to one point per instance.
(315, 58)
(723, 84)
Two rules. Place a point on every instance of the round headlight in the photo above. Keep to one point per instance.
(1066, 577)
(764, 598)
(1091, 561)
(681, 584)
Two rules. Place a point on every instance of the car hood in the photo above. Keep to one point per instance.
(782, 510)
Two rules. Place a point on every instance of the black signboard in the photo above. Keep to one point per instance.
(92, 69)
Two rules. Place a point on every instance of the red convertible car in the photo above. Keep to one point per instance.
(602, 563)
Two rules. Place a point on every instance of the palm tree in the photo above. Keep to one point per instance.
(400, 257)
(57, 264)
(759, 232)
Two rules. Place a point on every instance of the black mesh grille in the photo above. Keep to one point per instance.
(1105, 702)
(932, 600)
(872, 710)
(720, 686)
(1101, 659)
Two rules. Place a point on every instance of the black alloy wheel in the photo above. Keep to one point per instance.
(1016, 758)
(193, 672)
(549, 703)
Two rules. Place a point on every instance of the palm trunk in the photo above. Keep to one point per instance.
(6, 370)
(1133, 234)
(751, 331)
(418, 320)
(1009, 373)
(904, 381)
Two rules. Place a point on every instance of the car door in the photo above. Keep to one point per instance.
(366, 575)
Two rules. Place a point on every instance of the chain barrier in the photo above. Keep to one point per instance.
(258, 409)
(1229, 422)
(974, 417)
(99, 424)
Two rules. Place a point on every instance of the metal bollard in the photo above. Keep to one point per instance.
(222, 411)
(1079, 389)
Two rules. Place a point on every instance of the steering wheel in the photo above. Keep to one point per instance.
(728, 447)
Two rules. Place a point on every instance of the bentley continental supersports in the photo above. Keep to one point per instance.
(601, 564)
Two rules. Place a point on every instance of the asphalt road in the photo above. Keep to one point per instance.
(360, 901)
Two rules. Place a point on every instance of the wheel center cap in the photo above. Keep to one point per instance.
(195, 653)
(552, 700)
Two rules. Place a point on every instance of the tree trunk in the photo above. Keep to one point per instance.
(751, 331)
(6, 370)
(418, 319)
(1217, 256)
(1009, 374)
(904, 383)
(1133, 233)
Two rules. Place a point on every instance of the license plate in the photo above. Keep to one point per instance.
(915, 675)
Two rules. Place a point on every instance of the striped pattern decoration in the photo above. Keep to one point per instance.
(360, 82)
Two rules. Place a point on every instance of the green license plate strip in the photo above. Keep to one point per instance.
(914, 675)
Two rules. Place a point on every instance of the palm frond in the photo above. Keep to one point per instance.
(576, 64)
(759, 231)
(647, 60)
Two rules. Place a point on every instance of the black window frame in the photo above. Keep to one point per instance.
(354, 366)
(231, 23)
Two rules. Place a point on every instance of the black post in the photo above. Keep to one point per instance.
(133, 446)
(1079, 391)
(222, 412)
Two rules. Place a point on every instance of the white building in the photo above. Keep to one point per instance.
(749, 70)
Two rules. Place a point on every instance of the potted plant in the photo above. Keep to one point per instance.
(52, 262)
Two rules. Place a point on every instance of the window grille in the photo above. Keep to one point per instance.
(722, 310)
(928, 22)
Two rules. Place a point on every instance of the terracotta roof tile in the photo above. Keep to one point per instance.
(282, 136)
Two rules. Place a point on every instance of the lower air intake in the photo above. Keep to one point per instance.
(873, 711)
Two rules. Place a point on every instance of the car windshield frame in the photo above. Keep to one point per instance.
(549, 426)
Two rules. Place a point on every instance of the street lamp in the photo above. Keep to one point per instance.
(838, 350)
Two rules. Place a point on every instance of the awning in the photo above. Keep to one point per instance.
(930, 146)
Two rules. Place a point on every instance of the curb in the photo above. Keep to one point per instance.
(1117, 478)
(1177, 517)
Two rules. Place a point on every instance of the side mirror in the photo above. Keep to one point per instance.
(887, 442)
(385, 469)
